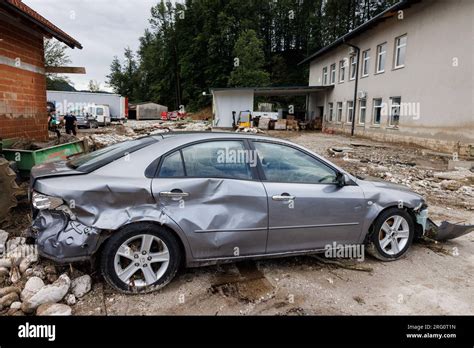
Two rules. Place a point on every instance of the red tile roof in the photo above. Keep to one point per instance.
(29, 14)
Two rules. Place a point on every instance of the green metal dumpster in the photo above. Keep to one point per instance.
(27, 159)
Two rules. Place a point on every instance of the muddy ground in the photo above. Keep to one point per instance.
(430, 279)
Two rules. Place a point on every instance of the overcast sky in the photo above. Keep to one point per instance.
(103, 27)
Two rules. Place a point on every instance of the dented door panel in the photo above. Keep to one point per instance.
(220, 217)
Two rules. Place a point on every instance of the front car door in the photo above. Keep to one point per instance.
(212, 191)
(307, 210)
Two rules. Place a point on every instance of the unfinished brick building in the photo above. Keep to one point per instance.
(22, 70)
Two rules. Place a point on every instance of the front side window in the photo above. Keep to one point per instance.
(325, 75)
(353, 68)
(218, 159)
(362, 111)
(283, 163)
(381, 52)
(342, 70)
(333, 73)
(339, 111)
(400, 50)
(331, 112)
(350, 111)
(394, 119)
(99, 111)
(377, 111)
(365, 62)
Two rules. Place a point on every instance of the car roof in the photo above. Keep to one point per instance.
(205, 135)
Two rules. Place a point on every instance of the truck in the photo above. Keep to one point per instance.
(116, 104)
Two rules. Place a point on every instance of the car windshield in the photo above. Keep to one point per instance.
(99, 158)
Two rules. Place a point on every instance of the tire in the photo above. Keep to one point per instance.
(387, 243)
(132, 258)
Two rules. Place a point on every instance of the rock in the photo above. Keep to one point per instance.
(15, 275)
(4, 271)
(50, 269)
(38, 271)
(451, 185)
(29, 273)
(53, 309)
(459, 174)
(32, 286)
(27, 261)
(15, 305)
(48, 294)
(8, 299)
(8, 290)
(81, 285)
(14, 243)
(51, 277)
(5, 262)
(71, 299)
(3, 240)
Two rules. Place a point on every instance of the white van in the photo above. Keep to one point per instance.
(101, 113)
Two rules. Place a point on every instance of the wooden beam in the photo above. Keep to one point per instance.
(65, 69)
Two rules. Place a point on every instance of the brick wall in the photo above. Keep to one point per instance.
(22, 84)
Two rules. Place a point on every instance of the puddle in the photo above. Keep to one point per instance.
(248, 285)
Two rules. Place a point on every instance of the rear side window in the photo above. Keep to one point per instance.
(172, 166)
(214, 159)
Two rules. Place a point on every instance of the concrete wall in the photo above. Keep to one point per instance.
(436, 81)
(22, 81)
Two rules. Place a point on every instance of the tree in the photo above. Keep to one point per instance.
(249, 60)
(124, 76)
(94, 86)
(55, 55)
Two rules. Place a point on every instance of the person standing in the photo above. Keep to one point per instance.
(70, 121)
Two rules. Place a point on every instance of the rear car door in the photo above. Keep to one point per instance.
(213, 193)
(307, 210)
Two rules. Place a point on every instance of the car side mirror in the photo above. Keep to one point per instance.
(341, 179)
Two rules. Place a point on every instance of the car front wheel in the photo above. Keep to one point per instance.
(140, 258)
(392, 235)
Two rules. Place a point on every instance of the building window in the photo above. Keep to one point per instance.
(394, 118)
(331, 112)
(365, 62)
(339, 112)
(400, 50)
(350, 111)
(333, 74)
(342, 70)
(325, 75)
(381, 53)
(353, 68)
(377, 112)
(362, 110)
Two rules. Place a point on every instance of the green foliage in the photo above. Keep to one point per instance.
(190, 48)
(248, 62)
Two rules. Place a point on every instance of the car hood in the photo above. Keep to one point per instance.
(377, 182)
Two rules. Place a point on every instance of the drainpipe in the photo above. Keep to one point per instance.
(354, 103)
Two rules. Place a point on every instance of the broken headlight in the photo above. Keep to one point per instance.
(41, 201)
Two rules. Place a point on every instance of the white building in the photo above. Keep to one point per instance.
(415, 77)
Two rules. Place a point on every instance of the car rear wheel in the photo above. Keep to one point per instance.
(140, 258)
(392, 235)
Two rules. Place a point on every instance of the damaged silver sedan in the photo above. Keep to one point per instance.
(146, 206)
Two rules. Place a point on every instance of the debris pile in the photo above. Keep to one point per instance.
(424, 174)
(28, 287)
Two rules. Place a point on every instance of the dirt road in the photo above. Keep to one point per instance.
(431, 279)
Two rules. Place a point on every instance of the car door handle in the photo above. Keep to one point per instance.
(173, 194)
(283, 197)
